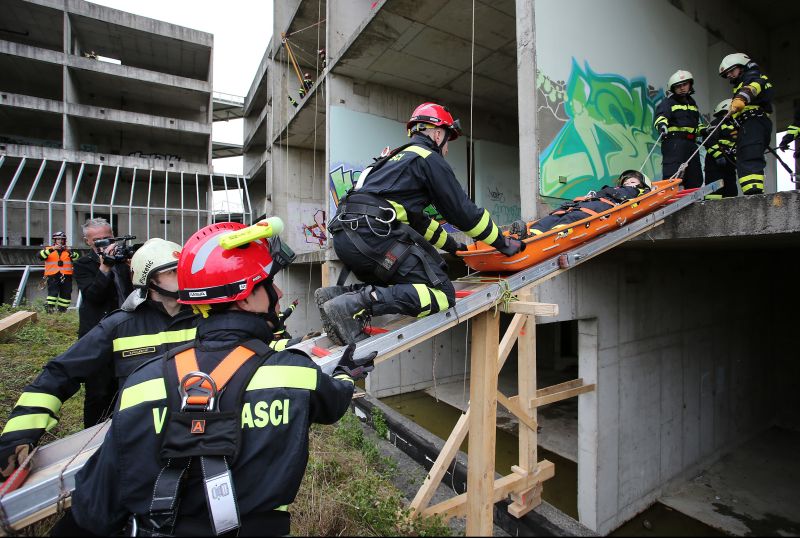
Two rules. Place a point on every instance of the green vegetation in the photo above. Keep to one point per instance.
(347, 488)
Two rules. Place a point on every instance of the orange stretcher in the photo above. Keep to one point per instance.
(482, 257)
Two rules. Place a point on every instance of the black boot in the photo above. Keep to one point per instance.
(323, 295)
(347, 316)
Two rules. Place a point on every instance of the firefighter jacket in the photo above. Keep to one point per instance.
(280, 331)
(418, 176)
(755, 88)
(276, 403)
(57, 261)
(680, 115)
(128, 337)
(723, 141)
(101, 293)
(606, 198)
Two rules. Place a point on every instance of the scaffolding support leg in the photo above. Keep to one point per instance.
(22, 283)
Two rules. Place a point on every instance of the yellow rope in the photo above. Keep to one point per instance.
(506, 295)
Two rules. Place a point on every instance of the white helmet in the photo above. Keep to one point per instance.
(679, 76)
(732, 60)
(154, 256)
(723, 106)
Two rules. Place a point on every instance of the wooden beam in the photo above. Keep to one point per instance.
(482, 425)
(11, 323)
(512, 404)
(325, 267)
(532, 309)
(502, 488)
(563, 395)
(552, 389)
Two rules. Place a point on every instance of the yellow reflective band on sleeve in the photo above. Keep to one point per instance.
(279, 345)
(660, 119)
(441, 299)
(431, 229)
(39, 399)
(144, 340)
(400, 210)
(442, 240)
(344, 377)
(492, 237)
(756, 87)
(279, 376)
(147, 391)
(38, 421)
(422, 152)
(479, 228)
(424, 298)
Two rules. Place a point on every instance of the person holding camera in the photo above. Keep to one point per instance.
(58, 270)
(149, 323)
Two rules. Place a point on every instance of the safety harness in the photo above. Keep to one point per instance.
(366, 209)
(196, 428)
(591, 196)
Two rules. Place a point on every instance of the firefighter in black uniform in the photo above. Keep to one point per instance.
(750, 107)
(721, 152)
(792, 132)
(631, 184)
(185, 457)
(280, 331)
(58, 270)
(679, 122)
(382, 235)
(150, 322)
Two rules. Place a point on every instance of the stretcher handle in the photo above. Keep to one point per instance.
(261, 230)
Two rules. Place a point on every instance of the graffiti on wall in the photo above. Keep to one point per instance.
(605, 126)
(155, 156)
(316, 232)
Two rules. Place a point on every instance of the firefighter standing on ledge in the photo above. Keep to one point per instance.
(750, 107)
(58, 270)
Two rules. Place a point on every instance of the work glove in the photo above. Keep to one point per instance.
(510, 246)
(737, 105)
(355, 368)
(785, 141)
(662, 128)
(295, 302)
(721, 161)
(12, 457)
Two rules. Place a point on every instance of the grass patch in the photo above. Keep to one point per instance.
(346, 491)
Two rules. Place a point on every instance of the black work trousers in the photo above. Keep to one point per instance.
(59, 291)
(411, 290)
(751, 143)
(559, 218)
(726, 172)
(675, 151)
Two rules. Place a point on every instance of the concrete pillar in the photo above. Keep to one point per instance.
(526, 98)
(589, 425)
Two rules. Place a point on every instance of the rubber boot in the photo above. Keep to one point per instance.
(323, 295)
(347, 315)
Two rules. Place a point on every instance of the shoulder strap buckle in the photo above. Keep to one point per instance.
(198, 382)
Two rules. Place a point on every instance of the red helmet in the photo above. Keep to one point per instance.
(208, 273)
(436, 115)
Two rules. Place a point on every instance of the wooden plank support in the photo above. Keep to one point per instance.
(552, 389)
(502, 488)
(460, 430)
(11, 323)
(530, 308)
(563, 395)
(482, 425)
(512, 404)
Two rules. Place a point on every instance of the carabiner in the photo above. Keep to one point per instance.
(394, 215)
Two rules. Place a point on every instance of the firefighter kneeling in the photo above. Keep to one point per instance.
(213, 438)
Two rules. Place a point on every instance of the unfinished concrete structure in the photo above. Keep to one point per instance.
(103, 114)
(557, 98)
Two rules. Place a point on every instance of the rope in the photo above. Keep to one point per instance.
(471, 100)
(660, 136)
(682, 168)
(63, 494)
(309, 26)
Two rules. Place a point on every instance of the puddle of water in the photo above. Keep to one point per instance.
(561, 491)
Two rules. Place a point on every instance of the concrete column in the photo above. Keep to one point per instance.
(526, 97)
(588, 425)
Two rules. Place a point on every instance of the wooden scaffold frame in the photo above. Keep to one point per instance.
(524, 485)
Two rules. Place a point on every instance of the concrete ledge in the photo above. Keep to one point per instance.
(776, 214)
(22, 255)
(138, 73)
(137, 118)
(31, 103)
(34, 53)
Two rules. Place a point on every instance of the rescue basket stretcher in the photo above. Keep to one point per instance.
(482, 257)
(54, 466)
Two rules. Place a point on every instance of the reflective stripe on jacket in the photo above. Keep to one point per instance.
(56, 261)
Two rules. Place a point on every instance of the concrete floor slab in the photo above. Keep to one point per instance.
(753, 491)
(558, 422)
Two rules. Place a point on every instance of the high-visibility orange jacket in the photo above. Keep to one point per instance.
(57, 261)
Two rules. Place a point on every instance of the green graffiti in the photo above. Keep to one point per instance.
(341, 181)
(610, 129)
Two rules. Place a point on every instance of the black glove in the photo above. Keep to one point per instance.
(460, 246)
(785, 141)
(312, 334)
(12, 457)
(355, 368)
(721, 161)
(662, 128)
(510, 246)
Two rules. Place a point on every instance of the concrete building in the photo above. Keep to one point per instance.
(103, 114)
(685, 332)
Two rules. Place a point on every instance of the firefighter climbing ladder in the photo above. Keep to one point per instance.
(52, 471)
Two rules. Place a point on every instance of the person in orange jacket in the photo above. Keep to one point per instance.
(58, 269)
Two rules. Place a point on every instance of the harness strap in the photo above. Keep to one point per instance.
(186, 362)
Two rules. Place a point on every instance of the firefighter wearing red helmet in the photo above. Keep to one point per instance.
(679, 122)
(213, 438)
(382, 235)
(58, 270)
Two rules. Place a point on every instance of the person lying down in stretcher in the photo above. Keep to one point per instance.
(631, 184)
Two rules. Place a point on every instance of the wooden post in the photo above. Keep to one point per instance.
(526, 367)
(325, 274)
(482, 424)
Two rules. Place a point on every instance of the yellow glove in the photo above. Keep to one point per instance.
(737, 104)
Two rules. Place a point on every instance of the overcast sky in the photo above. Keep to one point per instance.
(242, 30)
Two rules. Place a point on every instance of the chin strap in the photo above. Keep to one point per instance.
(162, 291)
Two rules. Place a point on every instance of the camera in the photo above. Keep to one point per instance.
(123, 252)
